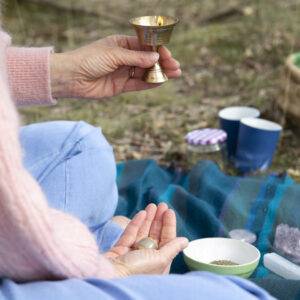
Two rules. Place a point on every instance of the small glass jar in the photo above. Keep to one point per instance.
(206, 144)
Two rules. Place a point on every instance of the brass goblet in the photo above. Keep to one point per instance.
(154, 31)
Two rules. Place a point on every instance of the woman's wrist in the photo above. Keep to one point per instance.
(121, 269)
(61, 75)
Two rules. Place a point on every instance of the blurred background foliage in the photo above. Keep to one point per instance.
(231, 53)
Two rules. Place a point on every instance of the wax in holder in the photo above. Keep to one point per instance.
(281, 266)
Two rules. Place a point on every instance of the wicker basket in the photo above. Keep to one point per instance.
(289, 89)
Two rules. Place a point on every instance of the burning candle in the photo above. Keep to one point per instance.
(160, 21)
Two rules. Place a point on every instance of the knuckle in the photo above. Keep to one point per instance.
(120, 40)
(115, 37)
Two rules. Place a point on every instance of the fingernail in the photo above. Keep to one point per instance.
(184, 242)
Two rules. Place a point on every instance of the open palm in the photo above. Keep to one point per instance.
(159, 223)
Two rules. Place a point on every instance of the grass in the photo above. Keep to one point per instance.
(237, 61)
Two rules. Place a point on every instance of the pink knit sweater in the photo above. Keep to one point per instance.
(36, 242)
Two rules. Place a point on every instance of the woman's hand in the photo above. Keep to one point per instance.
(159, 223)
(104, 68)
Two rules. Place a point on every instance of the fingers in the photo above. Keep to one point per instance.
(168, 231)
(164, 52)
(142, 59)
(145, 228)
(172, 248)
(132, 43)
(173, 74)
(156, 227)
(169, 64)
(128, 238)
(128, 42)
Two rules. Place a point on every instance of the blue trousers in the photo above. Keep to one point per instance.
(74, 164)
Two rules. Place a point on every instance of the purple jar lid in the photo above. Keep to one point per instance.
(206, 136)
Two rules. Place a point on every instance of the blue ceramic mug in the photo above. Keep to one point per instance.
(230, 121)
(257, 141)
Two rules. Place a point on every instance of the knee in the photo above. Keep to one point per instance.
(90, 137)
(49, 138)
(75, 165)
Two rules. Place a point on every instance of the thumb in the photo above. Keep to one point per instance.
(142, 59)
(172, 248)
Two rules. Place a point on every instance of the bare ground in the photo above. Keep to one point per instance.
(231, 54)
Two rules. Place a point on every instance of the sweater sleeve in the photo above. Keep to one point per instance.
(28, 71)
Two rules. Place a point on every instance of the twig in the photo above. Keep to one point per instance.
(288, 5)
(220, 16)
(180, 9)
(115, 19)
(224, 14)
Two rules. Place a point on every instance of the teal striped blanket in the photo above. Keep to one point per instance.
(210, 204)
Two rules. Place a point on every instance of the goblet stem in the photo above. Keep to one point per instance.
(155, 73)
(155, 48)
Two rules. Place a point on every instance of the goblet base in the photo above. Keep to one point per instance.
(155, 74)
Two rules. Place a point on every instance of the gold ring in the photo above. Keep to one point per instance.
(131, 72)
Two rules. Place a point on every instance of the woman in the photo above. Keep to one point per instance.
(38, 240)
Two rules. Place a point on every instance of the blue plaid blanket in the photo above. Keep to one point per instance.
(208, 204)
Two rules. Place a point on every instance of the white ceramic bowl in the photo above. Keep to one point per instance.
(200, 253)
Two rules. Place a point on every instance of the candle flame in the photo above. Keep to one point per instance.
(160, 21)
